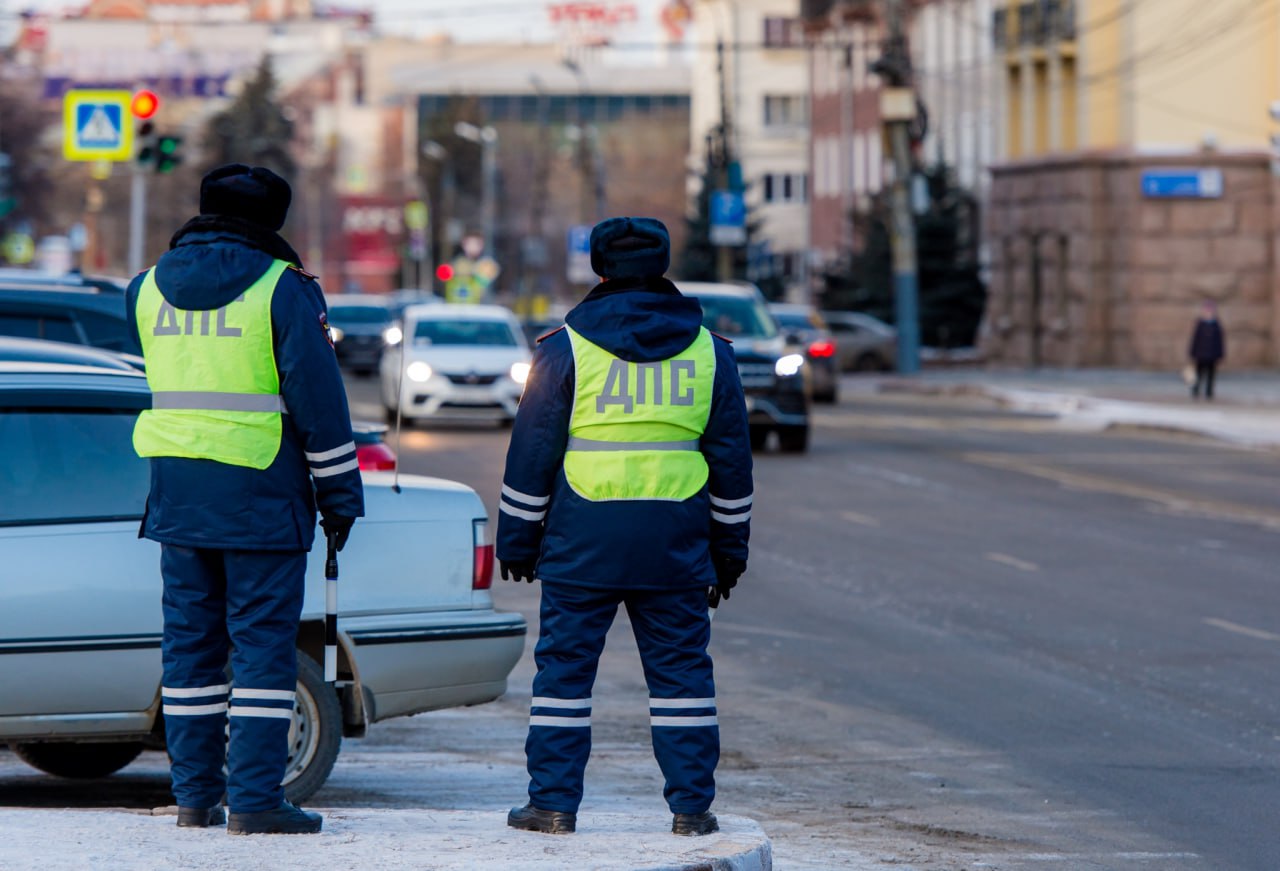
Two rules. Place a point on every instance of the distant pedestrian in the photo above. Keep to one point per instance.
(1208, 347)
(248, 432)
(628, 482)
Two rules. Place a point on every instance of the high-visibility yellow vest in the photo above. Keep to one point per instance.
(634, 429)
(215, 391)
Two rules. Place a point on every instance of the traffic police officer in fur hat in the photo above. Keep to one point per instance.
(628, 482)
(248, 434)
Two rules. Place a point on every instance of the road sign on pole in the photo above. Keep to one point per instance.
(578, 263)
(97, 125)
(728, 219)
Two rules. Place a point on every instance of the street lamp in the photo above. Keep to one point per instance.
(487, 139)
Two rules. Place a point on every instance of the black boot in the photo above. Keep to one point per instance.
(284, 820)
(694, 824)
(201, 817)
(533, 819)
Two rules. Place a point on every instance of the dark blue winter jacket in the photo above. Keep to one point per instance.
(203, 503)
(641, 545)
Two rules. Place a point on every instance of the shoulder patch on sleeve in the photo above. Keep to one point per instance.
(302, 272)
(548, 334)
(724, 339)
(328, 331)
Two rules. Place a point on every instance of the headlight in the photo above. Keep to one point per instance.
(519, 372)
(418, 371)
(336, 334)
(788, 365)
(393, 336)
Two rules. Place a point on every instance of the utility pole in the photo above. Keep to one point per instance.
(724, 254)
(898, 110)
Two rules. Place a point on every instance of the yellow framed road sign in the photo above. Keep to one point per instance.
(97, 125)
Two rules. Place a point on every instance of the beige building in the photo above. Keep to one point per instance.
(765, 90)
(1138, 184)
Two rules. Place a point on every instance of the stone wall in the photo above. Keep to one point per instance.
(1088, 272)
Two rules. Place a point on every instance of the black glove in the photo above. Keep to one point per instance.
(337, 527)
(517, 570)
(728, 570)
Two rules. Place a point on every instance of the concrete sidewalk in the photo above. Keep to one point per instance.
(372, 840)
(1246, 411)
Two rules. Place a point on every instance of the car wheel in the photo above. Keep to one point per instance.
(315, 736)
(828, 398)
(869, 363)
(759, 435)
(793, 439)
(79, 761)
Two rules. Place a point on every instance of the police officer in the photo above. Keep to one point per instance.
(247, 432)
(628, 481)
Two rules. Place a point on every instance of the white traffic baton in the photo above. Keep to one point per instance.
(713, 602)
(331, 611)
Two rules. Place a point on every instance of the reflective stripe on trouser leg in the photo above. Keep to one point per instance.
(264, 600)
(193, 694)
(672, 633)
(574, 623)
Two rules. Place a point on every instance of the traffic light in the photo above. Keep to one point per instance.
(146, 139)
(168, 154)
(7, 200)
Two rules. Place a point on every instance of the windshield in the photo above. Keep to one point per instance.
(359, 314)
(737, 316)
(494, 333)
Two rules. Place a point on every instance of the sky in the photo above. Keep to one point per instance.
(474, 21)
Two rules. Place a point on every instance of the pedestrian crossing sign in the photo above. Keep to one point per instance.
(97, 125)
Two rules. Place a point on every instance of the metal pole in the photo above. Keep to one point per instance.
(137, 218)
(896, 67)
(489, 167)
(724, 254)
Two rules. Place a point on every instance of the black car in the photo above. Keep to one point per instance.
(362, 327)
(773, 377)
(68, 308)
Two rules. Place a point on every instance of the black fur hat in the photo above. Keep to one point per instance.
(630, 248)
(253, 193)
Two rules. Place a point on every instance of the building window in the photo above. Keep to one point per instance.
(783, 33)
(785, 110)
(785, 187)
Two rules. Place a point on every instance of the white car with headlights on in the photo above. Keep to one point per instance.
(461, 362)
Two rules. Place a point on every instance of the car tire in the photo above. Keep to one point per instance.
(793, 439)
(759, 437)
(315, 737)
(830, 397)
(86, 761)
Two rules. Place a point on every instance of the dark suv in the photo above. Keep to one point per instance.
(65, 308)
(773, 378)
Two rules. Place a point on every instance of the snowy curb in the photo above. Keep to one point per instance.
(374, 840)
(1241, 427)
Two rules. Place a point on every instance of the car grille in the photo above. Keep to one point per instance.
(472, 379)
(756, 374)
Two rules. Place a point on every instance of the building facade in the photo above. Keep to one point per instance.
(758, 86)
(1100, 256)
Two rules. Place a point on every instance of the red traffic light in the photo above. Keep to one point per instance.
(144, 105)
(444, 272)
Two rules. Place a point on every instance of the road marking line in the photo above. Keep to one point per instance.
(861, 519)
(1228, 626)
(1007, 560)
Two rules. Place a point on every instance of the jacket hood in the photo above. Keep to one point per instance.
(641, 321)
(214, 259)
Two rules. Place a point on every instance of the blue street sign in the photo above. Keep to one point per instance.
(97, 125)
(1190, 183)
(728, 218)
(578, 264)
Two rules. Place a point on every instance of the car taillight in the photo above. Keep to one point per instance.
(482, 562)
(822, 349)
(376, 457)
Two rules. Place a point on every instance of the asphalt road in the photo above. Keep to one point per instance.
(968, 638)
(995, 637)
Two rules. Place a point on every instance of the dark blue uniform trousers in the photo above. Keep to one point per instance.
(672, 631)
(248, 602)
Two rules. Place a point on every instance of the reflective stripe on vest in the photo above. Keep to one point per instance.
(635, 427)
(215, 391)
